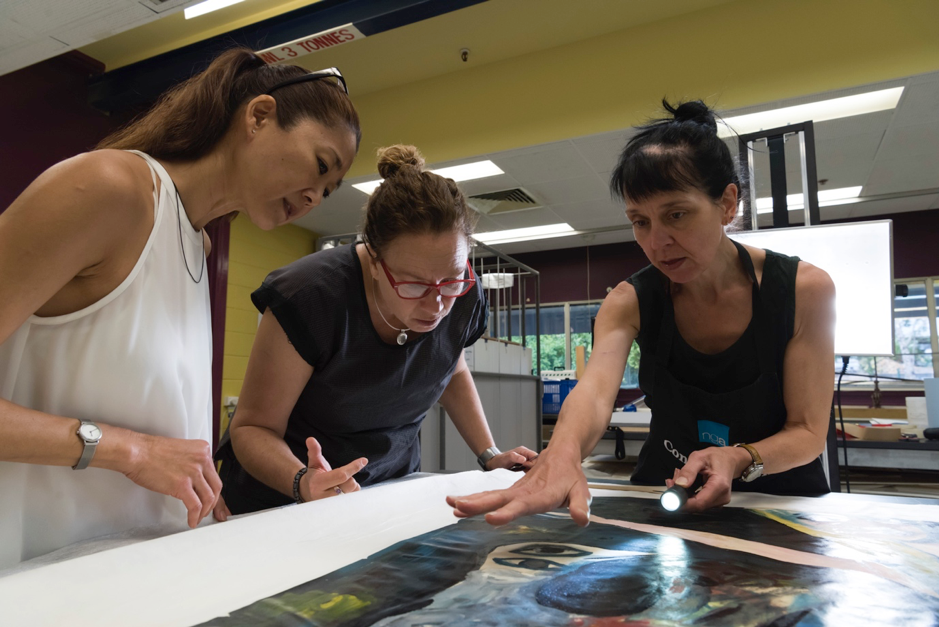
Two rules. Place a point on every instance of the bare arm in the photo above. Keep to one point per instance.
(461, 400)
(274, 380)
(807, 391)
(557, 478)
(59, 242)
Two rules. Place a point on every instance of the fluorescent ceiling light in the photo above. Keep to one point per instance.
(826, 198)
(815, 111)
(466, 172)
(207, 7)
(526, 234)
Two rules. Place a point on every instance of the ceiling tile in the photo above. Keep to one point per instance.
(603, 150)
(547, 162)
(902, 175)
(565, 191)
(912, 141)
(920, 101)
(521, 219)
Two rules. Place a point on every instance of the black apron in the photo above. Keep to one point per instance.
(686, 418)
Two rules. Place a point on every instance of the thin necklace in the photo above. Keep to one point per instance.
(179, 229)
(403, 333)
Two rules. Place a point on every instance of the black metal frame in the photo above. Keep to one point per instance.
(775, 138)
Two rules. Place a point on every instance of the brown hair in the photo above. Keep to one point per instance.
(189, 119)
(413, 200)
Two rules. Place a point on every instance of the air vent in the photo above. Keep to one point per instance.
(504, 201)
(160, 6)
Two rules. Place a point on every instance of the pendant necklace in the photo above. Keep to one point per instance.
(402, 333)
(179, 223)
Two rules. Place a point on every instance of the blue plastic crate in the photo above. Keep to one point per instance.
(554, 394)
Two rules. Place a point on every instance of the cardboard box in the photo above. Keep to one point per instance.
(873, 434)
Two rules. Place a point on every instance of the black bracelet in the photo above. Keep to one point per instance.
(296, 485)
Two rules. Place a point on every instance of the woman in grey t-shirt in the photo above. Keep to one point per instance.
(356, 344)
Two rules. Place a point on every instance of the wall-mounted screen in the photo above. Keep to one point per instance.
(859, 259)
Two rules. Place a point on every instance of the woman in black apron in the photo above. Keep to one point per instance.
(737, 343)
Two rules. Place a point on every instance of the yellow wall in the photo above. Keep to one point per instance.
(732, 55)
(253, 253)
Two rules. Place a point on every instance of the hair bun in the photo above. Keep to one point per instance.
(693, 111)
(393, 158)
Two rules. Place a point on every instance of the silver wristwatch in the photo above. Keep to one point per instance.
(754, 470)
(89, 433)
(486, 455)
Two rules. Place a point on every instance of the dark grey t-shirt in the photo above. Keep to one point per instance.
(365, 398)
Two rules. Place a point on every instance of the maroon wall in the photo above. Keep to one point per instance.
(47, 119)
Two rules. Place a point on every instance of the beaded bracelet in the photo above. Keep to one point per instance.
(296, 485)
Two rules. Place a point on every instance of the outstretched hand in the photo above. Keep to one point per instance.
(555, 480)
(321, 481)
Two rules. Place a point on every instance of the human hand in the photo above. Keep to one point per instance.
(519, 458)
(717, 467)
(221, 512)
(321, 481)
(555, 480)
(179, 468)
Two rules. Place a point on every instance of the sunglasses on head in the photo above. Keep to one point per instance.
(330, 72)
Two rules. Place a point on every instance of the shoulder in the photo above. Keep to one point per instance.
(86, 206)
(813, 282)
(326, 274)
(815, 296)
(621, 307)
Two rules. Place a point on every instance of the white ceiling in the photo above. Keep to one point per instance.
(34, 30)
(894, 155)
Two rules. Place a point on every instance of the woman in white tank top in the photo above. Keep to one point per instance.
(105, 333)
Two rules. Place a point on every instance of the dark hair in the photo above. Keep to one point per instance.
(412, 200)
(679, 153)
(189, 119)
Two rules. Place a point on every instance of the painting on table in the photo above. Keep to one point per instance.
(633, 565)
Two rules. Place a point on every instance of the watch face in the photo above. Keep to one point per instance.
(753, 471)
(90, 432)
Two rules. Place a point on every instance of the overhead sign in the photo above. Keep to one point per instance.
(311, 43)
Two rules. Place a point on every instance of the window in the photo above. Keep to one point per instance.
(558, 342)
(914, 315)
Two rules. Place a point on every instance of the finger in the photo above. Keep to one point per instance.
(714, 493)
(579, 503)
(480, 503)
(527, 452)
(687, 474)
(349, 486)
(215, 482)
(341, 475)
(315, 455)
(221, 511)
(206, 497)
(193, 505)
(516, 508)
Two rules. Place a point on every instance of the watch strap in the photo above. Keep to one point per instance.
(754, 454)
(486, 455)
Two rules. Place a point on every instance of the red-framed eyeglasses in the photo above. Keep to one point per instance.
(412, 290)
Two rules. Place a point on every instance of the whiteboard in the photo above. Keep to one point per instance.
(859, 259)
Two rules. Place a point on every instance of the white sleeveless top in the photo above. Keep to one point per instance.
(139, 358)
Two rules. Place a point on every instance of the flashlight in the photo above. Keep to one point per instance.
(675, 497)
